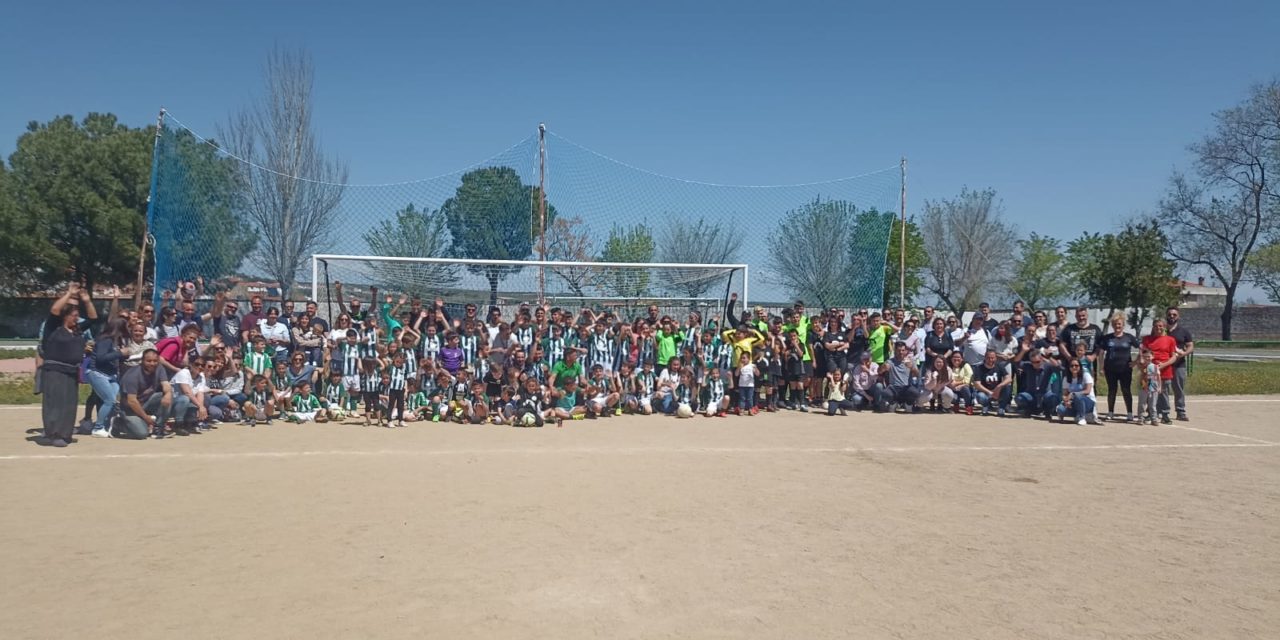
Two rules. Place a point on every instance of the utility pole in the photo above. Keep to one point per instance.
(542, 212)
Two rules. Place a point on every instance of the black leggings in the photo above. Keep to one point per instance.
(1122, 378)
(395, 404)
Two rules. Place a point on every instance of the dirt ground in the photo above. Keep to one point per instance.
(777, 526)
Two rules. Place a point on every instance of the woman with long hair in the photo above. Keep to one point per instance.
(110, 350)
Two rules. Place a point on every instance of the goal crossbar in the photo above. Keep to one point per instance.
(317, 258)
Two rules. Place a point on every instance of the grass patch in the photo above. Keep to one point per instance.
(1216, 378)
(1238, 344)
(16, 389)
(17, 354)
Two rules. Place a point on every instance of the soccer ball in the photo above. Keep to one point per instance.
(684, 411)
(529, 420)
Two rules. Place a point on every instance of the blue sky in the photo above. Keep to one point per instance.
(1076, 113)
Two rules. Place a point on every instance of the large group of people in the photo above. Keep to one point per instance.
(168, 370)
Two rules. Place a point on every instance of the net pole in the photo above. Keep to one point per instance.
(151, 196)
(542, 211)
(902, 239)
(328, 297)
(315, 278)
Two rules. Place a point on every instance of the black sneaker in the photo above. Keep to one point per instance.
(1164, 419)
(181, 431)
(1183, 417)
(58, 442)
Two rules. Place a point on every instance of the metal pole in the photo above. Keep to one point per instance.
(542, 211)
(142, 248)
(902, 240)
(315, 280)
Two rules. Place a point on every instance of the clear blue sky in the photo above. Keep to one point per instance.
(1074, 112)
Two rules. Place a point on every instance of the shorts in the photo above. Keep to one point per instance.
(370, 399)
(352, 383)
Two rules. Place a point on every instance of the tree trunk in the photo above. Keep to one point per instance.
(1227, 311)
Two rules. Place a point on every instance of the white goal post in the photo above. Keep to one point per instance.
(597, 282)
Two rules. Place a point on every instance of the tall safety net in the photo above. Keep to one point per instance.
(626, 289)
(231, 218)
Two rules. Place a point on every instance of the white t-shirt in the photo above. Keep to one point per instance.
(1078, 386)
(975, 347)
(279, 331)
(747, 376)
(668, 379)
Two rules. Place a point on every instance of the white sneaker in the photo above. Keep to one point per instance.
(101, 433)
(1082, 422)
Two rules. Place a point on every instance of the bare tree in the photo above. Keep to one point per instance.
(696, 242)
(292, 188)
(569, 240)
(968, 245)
(808, 252)
(1217, 218)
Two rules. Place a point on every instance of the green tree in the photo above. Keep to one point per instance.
(917, 261)
(413, 233)
(628, 244)
(494, 216)
(21, 245)
(1126, 270)
(1264, 270)
(82, 188)
(198, 213)
(1040, 274)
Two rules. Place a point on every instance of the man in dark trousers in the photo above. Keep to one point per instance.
(1186, 345)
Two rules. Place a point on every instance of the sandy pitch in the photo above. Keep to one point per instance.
(779, 526)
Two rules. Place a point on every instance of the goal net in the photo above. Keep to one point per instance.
(627, 289)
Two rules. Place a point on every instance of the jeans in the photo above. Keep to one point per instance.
(107, 388)
(137, 427)
(1180, 389)
(668, 404)
(900, 395)
(746, 398)
(183, 410)
(1030, 404)
(217, 406)
(984, 400)
(1081, 406)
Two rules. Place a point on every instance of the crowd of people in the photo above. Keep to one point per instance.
(168, 370)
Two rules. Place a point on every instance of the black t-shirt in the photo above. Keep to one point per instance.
(136, 382)
(834, 357)
(64, 348)
(229, 328)
(989, 377)
(937, 344)
(1182, 336)
(1119, 350)
(1075, 334)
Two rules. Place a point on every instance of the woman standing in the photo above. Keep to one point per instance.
(63, 347)
(1117, 366)
(109, 352)
(937, 344)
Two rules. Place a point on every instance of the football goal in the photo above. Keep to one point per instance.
(622, 287)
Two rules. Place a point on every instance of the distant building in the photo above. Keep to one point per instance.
(1196, 295)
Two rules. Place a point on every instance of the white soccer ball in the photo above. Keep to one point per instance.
(529, 420)
(684, 411)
